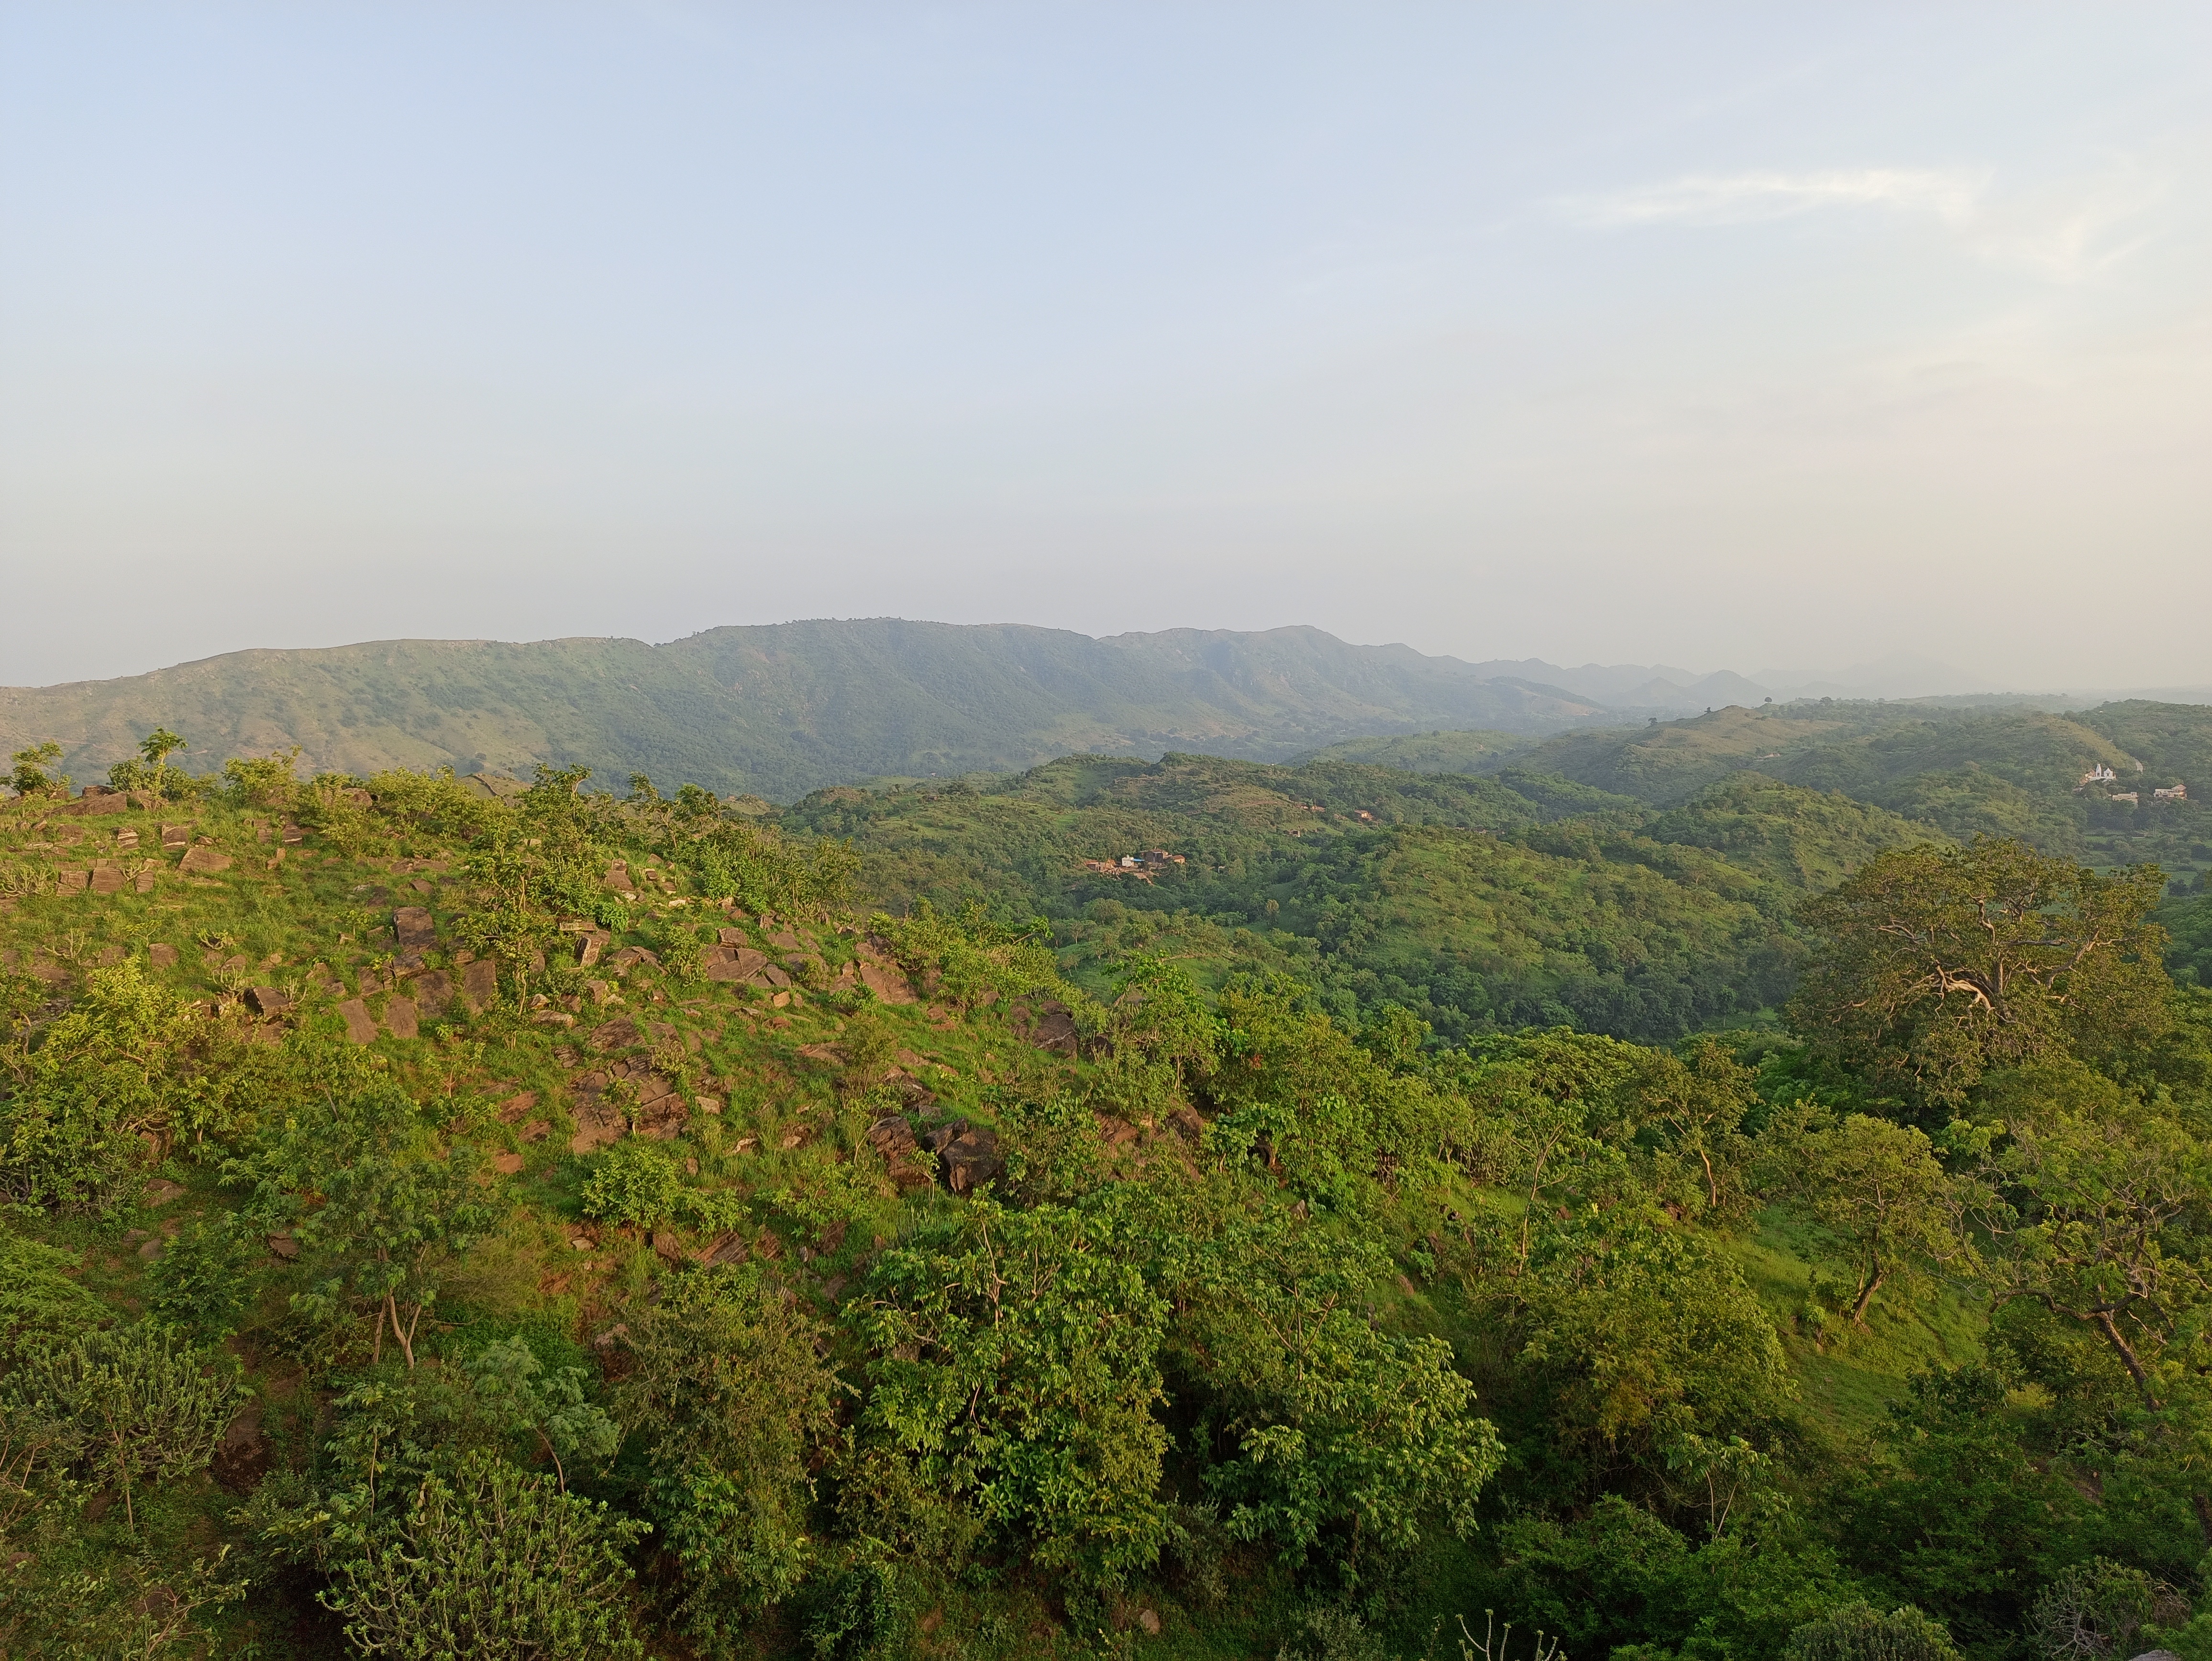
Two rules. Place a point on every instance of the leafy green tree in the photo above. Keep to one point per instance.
(1937, 964)
(205, 1281)
(1858, 1631)
(1648, 1335)
(2096, 1609)
(30, 778)
(1874, 1189)
(491, 1561)
(1320, 1425)
(1697, 1107)
(263, 780)
(40, 1304)
(382, 1207)
(1615, 1578)
(150, 770)
(1013, 1364)
(104, 1088)
(728, 1401)
(131, 1404)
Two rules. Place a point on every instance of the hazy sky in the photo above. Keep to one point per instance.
(1725, 336)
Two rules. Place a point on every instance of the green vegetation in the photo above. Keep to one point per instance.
(1736, 1220)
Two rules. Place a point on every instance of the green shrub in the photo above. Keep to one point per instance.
(496, 1563)
(1858, 1631)
(130, 1404)
(635, 1183)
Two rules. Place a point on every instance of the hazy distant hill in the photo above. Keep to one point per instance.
(785, 709)
(1969, 772)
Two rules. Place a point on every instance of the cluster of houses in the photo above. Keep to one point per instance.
(2101, 774)
(1143, 866)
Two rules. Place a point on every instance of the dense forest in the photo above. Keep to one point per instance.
(1714, 1190)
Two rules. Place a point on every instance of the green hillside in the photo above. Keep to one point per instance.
(571, 1225)
(1968, 772)
(1484, 905)
(779, 711)
(1427, 752)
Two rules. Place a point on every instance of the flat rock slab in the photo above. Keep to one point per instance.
(361, 1025)
(432, 992)
(143, 882)
(414, 926)
(268, 999)
(480, 983)
(620, 1033)
(174, 836)
(108, 878)
(400, 1017)
(204, 861)
(597, 1126)
(75, 880)
(733, 962)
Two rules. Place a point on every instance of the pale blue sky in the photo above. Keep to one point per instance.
(1725, 336)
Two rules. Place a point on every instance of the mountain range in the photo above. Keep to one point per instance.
(781, 709)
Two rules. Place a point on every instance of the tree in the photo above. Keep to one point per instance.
(730, 1401)
(101, 1094)
(150, 770)
(1937, 964)
(1317, 1424)
(494, 1562)
(382, 1207)
(263, 781)
(1014, 1367)
(1875, 1188)
(2095, 1208)
(1698, 1106)
(30, 778)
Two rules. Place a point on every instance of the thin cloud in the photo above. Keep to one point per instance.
(1748, 198)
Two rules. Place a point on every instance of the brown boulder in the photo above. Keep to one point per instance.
(204, 861)
(74, 881)
(968, 1153)
(892, 1137)
(620, 1033)
(268, 999)
(886, 981)
(433, 992)
(733, 962)
(730, 1249)
(361, 1025)
(598, 1125)
(480, 983)
(399, 1018)
(417, 931)
(107, 878)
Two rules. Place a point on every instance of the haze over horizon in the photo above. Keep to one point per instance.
(1687, 336)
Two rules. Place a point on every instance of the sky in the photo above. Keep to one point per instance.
(1724, 336)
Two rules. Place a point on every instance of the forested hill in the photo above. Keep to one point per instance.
(1996, 772)
(1480, 903)
(783, 709)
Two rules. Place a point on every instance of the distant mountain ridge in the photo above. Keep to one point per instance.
(784, 708)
